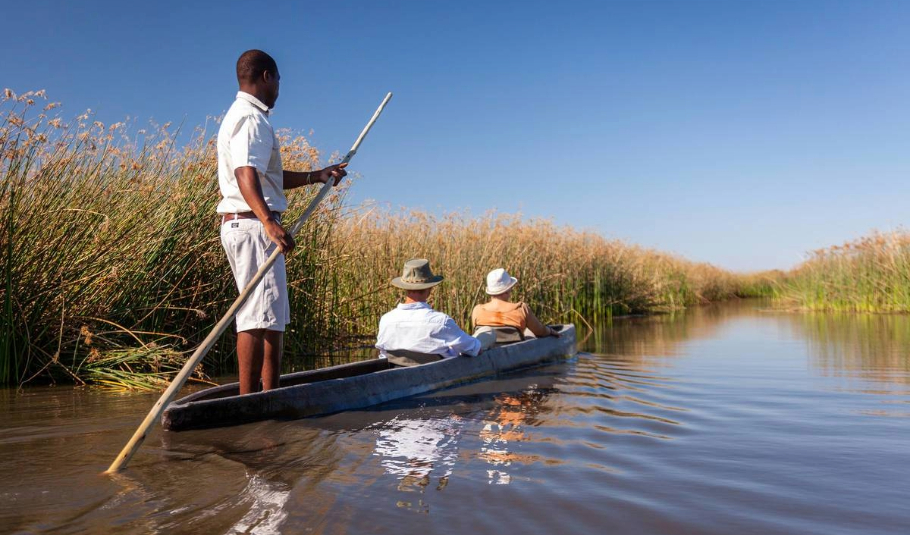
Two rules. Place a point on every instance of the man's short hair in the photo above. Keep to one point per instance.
(252, 64)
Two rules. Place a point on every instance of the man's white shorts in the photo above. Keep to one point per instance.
(248, 247)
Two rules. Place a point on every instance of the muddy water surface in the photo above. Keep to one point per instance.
(726, 419)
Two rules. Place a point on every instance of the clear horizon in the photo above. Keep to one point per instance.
(743, 135)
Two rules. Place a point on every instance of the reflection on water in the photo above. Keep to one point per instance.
(875, 345)
(503, 429)
(413, 449)
(423, 453)
(634, 337)
(267, 507)
(728, 419)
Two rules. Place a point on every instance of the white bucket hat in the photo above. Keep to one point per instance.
(499, 281)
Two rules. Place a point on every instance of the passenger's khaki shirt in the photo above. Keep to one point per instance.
(498, 313)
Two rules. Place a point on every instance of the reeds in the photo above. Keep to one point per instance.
(113, 268)
(114, 235)
(563, 273)
(760, 284)
(871, 274)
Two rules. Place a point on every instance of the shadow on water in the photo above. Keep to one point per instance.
(276, 459)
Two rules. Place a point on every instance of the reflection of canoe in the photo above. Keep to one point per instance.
(357, 385)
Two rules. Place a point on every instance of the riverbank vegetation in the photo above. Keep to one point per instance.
(871, 274)
(113, 269)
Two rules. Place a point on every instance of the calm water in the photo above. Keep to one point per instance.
(723, 420)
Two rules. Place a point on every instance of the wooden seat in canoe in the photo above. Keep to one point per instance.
(404, 357)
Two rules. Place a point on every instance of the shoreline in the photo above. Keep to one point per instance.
(120, 274)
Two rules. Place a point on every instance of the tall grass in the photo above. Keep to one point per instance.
(113, 269)
(760, 284)
(110, 242)
(871, 274)
(563, 272)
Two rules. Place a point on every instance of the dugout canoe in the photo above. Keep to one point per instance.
(356, 385)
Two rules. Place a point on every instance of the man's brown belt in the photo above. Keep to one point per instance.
(246, 215)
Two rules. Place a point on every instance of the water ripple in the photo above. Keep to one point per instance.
(711, 422)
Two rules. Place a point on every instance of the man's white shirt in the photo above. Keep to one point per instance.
(246, 139)
(417, 327)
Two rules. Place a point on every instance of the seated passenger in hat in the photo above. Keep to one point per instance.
(500, 311)
(413, 333)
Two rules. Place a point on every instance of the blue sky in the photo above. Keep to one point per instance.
(738, 133)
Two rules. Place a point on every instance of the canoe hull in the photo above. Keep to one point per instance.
(356, 385)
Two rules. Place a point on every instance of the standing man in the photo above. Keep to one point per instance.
(252, 184)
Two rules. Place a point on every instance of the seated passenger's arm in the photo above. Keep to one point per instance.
(458, 340)
(534, 325)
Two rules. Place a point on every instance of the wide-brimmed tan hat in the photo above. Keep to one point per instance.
(417, 275)
(499, 281)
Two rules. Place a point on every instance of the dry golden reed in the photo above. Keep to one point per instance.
(563, 272)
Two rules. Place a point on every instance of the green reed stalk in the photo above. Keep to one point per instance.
(9, 355)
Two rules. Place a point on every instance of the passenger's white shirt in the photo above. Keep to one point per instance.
(246, 139)
(417, 327)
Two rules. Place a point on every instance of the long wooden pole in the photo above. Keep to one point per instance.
(139, 436)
